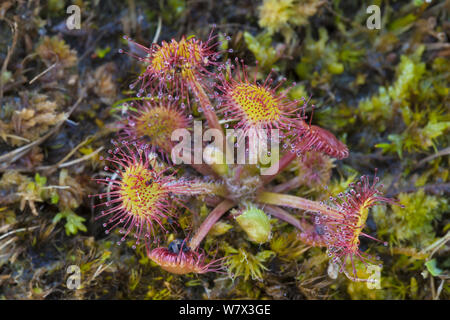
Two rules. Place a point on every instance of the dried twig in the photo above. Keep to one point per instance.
(16, 231)
(440, 153)
(66, 157)
(86, 157)
(60, 165)
(43, 72)
(158, 30)
(435, 246)
(435, 188)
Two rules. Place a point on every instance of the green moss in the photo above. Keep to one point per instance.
(413, 224)
(262, 49)
(423, 128)
(287, 246)
(74, 223)
(382, 107)
(255, 223)
(241, 262)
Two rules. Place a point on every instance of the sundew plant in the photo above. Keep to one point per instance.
(187, 80)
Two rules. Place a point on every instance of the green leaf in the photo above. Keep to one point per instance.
(58, 217)
(402, 24)
(101, 53)
(264, 255)
(262, 49)
(74, 223)
(40, 181)
(432, 268)
(55, 198)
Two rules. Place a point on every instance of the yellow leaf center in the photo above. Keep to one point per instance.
(139, 192)
(257, 103)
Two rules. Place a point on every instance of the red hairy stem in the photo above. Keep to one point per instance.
(209, 222)
(283, 215)
(287, 158)
(206, 105)
(295, 202)
(288, 185)
(308, 233)
(210, 115)
(207, 188)
(213, 201)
